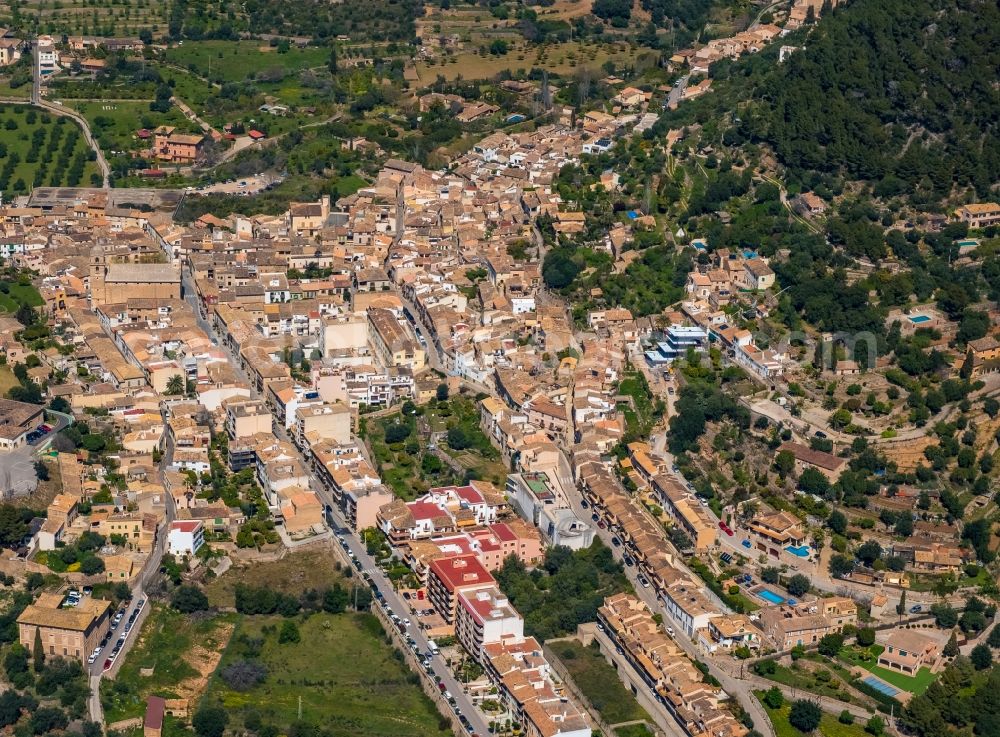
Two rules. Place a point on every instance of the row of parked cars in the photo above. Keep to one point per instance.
(39, 432)
(403, 625)
(120, 643)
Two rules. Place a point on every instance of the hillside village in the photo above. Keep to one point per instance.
(494, 438)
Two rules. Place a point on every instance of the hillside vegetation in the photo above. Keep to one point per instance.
(895, 91)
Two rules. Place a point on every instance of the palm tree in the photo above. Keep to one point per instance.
(176, 384)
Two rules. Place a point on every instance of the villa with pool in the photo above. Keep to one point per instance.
(774, 532)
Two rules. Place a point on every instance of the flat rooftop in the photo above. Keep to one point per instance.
(157, 199)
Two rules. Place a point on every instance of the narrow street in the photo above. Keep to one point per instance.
(150, 569)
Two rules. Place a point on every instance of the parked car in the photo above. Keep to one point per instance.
(644, 582)
(916, 608)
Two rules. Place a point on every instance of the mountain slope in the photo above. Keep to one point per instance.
(901, 92)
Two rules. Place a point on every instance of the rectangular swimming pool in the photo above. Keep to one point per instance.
(919, 319)
(880, 685)
(770, 596)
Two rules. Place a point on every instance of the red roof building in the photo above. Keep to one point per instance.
(256, 135)
(448, 576)
(152, 725)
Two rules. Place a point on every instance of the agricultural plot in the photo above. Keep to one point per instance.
(38, 149)
(173, 656)
(238, 61)
(115, 124)
(564, 59)
(342, 654)
(82, 17)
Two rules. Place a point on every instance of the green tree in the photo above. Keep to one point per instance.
(188, 599)
(41, 471)
(866, 637)
(812, 481)
(289, 632)
(784, 463)
(773, 698)
(981, 657)
(175, 385)
(944, 615)
(13, 527)
(951, 647)
(994, 639)
(441, 393)
(38, 651)
(837, 521)
(875, 726)
(210, 721)
(335, 599)
(830, 645)
(798, 585)
(840, 565)
(91, 565)
(805, 715)
(397, 433)
(457, 439)
(869, 552)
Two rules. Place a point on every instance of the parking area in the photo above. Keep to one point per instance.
(94, 660)
(243, 186)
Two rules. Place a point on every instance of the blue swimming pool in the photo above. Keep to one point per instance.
(919, 319)
(770, 596)
(880, 685)
(802, 551)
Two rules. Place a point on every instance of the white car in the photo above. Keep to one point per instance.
(91, 659)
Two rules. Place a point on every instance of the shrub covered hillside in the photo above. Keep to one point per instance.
(892, 90)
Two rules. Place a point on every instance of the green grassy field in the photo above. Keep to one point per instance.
(39, 149)
(348, 679)
(869, 661)
(7, 380)
(599, 683)
(566, 58)
(819, 681)
(166, 644)
(235, 61)
(633, 730)
(122, 17)
(114, 124)
(291, 575)
(17, 294)
(828, 726)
